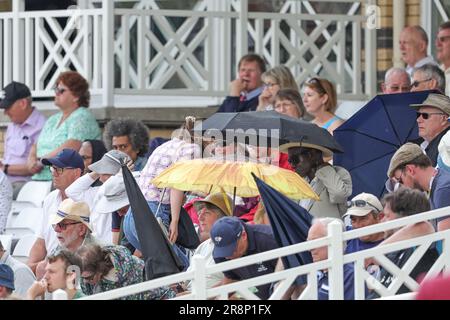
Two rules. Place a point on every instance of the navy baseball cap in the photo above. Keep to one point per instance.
(13, 92)
(66, 158)
(6, 276)
(225, 234)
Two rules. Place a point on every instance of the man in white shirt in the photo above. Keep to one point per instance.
(413, 47)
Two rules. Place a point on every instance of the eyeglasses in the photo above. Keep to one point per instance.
(442, 38)
(59, 170)
(284, 105)
(426, 115)
(416, 83)
(361, 204)
(59, 90)
(120, 147)
(63, 226)
(269, 85)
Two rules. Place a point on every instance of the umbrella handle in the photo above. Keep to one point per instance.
(160, 201)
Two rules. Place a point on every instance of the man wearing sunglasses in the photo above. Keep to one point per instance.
(428, 77)
(432, 117)
(66, 167)
(364, 210)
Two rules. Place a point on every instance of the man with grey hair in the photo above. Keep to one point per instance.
(413, 47)
(396, 80)
(428, 77)
(443, 52)
(319, 229)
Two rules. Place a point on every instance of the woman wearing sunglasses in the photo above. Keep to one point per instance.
(68, 128)
(320, 101)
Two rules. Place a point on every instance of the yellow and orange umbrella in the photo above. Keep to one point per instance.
(234, 177)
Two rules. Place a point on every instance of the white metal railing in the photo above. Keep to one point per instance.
(141, 50)
(334, 264)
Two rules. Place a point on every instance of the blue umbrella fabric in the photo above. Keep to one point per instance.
(158, 254)
(290, 224)
(372, 135)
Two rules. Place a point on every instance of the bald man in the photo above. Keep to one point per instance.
(413, 47)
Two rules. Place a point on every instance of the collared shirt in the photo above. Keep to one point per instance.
(254, 93)
(19, 139)
(349, 287)
(420, 63)
(23, 276)
(46, 232)
(260, 239)
(447, 79)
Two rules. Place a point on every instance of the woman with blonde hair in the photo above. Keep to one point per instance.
(320, 101)
(275, 79)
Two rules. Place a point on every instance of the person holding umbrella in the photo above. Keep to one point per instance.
(333, 184)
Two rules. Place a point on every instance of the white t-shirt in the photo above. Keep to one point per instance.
(46, 232)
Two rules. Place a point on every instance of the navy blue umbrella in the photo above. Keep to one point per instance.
(290, 224)
(372, 135)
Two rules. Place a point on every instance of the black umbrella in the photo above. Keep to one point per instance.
(290, 224)
(260, 127)
(160, 259)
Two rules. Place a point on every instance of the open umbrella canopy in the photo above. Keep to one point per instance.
(234, 177)
(372, 135)
(290, 224)
(266, 129)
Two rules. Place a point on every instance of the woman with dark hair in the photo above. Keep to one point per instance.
(129, 136)
(91, 151)
(111, 267)
(68, 128)
(289, 102)
(320, 101)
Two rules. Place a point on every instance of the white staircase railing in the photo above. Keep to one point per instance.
(334, 264)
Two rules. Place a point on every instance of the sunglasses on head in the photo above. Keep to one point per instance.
(361, 204)
(426, 115)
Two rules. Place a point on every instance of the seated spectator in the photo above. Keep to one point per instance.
(67, 167)
(235, 239)
(111, 267)
(23, 276)
(320, 101)
(83, 190)
(68, 128)
(60, 274)
(396, 80)
(129, 136)
(23, 131)
(289, 102)
(6, 281)
(428, 77)
(364, 210)
(245, 90)
(6, 195)
(333, 184)
(319, 229)
(91, 151)
(404, 203)
(274, 80)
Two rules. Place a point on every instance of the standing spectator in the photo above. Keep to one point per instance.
(68, 128)
(23, 276)
(234, 239)
(413, 47)
(67, 167)
(443, 52)
(274, 80)
(91, 151)
(6, 281)
(432, 117)
(333, 184)
(60, 274)
(319, 229)
(428, 77)
(6, 193)
(320, 101)
(396, 80)
(129, 136)
(23, 131)
(245, 90)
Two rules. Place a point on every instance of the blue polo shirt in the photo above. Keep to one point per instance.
(355, 245)
(440, 191)
(349, 285)
(260, 239)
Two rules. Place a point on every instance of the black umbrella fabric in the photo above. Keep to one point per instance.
(160, 259)
(187, 236)
(290, 224)
(266, 125)
(372, 135)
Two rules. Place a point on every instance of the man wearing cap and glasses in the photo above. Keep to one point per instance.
(364, 210)
(23, 131)
(67, 167)
(413, 169)
(432, 117)
(234, 239)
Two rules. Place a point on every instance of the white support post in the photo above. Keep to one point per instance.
(425, 19)
(371, 59)
(18, 40)
(242, 39)
(108, 54)
(399, 24)
(198, 284)
(336, 254)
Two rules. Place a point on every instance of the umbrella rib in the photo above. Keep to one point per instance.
(374, 138)
(371, 160)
